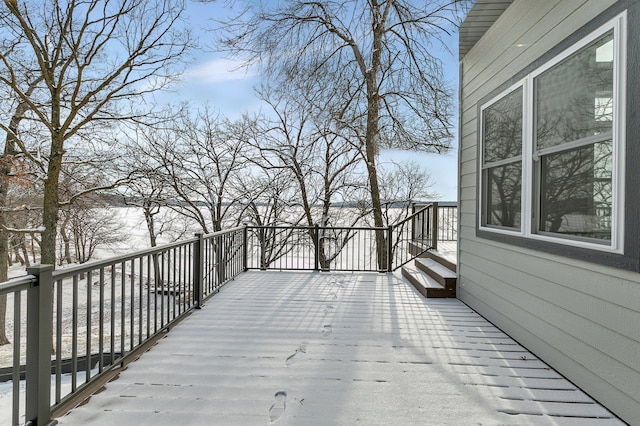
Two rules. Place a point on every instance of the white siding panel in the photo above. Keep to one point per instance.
(468, 194)
(468, 219)
(469, 128)
(468, 179)
(469, 166)
(582, 318)
(580, 294)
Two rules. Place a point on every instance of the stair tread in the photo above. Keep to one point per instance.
(428, 286)
(441, 259)
(436, 267)
(422, 278)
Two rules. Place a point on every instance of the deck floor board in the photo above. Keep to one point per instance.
(296, 348)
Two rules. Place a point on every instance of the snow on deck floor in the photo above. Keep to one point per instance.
(291, 348)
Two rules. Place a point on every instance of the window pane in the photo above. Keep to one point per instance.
(576, 189)
(503, 128)
(503, 195)
(574, 98)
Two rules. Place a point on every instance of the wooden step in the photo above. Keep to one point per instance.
(440, 259)
(425, 284)
(443, 275)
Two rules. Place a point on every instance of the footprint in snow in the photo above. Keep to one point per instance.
(327, 330)
(336, 284)
(278, 407)
(301, 350)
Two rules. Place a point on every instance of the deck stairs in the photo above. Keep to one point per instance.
(432, 275)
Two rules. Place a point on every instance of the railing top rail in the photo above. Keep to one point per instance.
(413, 215)
(223, 232)
(440, 203)
(306, 227)
(74, 270)
(17, 284)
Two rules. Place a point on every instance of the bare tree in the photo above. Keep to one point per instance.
(300, 140)
(147, 160)
(375, 56)
(146, 193)
(272, 207)
(402, 184)
(83, 227)
(199, 160)
(93, 227)
(96, 58)
(147, 189)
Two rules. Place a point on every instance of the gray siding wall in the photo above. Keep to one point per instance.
(580, 317)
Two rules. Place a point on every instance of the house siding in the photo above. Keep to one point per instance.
(581, 317)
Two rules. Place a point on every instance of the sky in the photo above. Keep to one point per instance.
(215, 80)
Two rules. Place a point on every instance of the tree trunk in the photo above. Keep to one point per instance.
(151, 225)
(34, 240)
(66, 241)
(23, 247)
(371, 138)
(376, 205)
(51, 203)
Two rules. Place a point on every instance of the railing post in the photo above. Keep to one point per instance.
(434, 227)
(220, 260)
(316, 247)
(424, 226)
(390, 249)
(39, 332)
(413, 221)
(263, 261)
(198, 270)
(245, 241)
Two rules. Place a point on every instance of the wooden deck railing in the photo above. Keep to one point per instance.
(97, 316)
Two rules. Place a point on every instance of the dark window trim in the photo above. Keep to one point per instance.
(630, 260)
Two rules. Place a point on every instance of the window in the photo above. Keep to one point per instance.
(552, 148)
(573, 141)
(502, 158)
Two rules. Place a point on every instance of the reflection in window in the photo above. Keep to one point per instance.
(503, 195)
(574, 122)
(603, 108)
(503, 128)
(574, 98)
(576, 191)
(502, 161)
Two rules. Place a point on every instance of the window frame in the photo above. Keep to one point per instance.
(531, 159)
(485, 167)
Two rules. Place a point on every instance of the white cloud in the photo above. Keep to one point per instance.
(218, 70)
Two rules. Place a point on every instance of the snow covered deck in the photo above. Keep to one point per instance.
(336, 349)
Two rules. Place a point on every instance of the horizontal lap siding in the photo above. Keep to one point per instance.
(581, 318)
